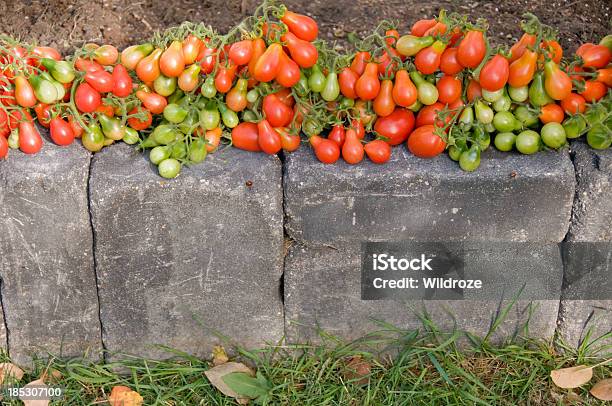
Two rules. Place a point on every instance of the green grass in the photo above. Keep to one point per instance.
(425, 367)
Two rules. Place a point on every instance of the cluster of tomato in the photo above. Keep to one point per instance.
(269, 81)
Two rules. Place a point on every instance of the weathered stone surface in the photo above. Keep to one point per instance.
(180, 259)
(591, 222)
(322, 289)
(511, 197)
(46, 262)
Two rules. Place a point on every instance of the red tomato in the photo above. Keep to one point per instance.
(3, 147)
(302, 26)
(225, 77)
(172, 61)
(140, 123)
(276, 112)
(472, 49)
(245, 136)
(449, 89)
(552, 49)
(352, 150)
(152, 101)
(326, 151)
(518, 49)
(427, 60)
(551, 113)
(86, 98)
(268, 64)
(302, 52)
(449, 64)
(605, 76)
(368, 85)
(289, 141)
(425, 143)
(30, 141)
(268, 139)
(522, 70)
(593, 91)
(404, 91)
(337, 135)
(428, 115)
(384, 104)
(191, 48)
(288, 72)
(396, 126)
(494, 74)
(122, 81)
(60, 131)
(360, 61)
(347, 80)
(24, 93)
(100, 80)
(76, 128)
(43, 114)
(241, 52)
(557, 83)
(378, 151)
(573, 104)
(207, 59)
(420, 27)
(594, 56)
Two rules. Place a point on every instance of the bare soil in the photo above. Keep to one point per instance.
(66, 24)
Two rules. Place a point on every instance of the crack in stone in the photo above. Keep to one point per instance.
(93, 253)
(6, 329)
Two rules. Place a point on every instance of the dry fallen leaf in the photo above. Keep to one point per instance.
(10, 370)
(219, 355)
(602, 390)
(124, 396)
(39, 383)
(215, 376)
(572, 377)
(356, 367)
(574, 398)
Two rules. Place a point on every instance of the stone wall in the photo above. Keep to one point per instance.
(101, 253)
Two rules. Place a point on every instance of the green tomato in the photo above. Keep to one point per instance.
(210, 118)
(44, 90)
(537, 93)
(175, 113)
(208, 87)
(599, 137)
(518, 94)
(13, 139)
(528, 142)
(62, 71)
(159, 153)
(93, 139)
(190, 122)
(169, 168)
(179, 150)
(469, 160)
(416, 106)
(316, 81)
(503, 104)
(131, 136)
(249, 115)
(197, 150)
(467, 115)
(164, 86)
(492, 97)
(331, 91)
(346, 103)
(504, 121)
(484, 113)
(252, 95)
(178, 97)
(607, 41)
(553, 135)
(574, 126)
(427, 93)
(505, 141)
(301, 87)
(311, 127)
(148, 142)
(455, 152)
(229, 117)
(164, 134)
(526, 117)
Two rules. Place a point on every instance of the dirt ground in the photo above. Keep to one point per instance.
(66, 24)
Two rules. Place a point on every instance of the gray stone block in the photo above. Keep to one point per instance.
(591, 222)
(180, 259)
(46, 262)
(511, 197)
(322, 290)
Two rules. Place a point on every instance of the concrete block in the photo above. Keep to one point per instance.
(178, 259)
(46, 261)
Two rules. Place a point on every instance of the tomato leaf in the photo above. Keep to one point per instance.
(572, 377)
(602, 390)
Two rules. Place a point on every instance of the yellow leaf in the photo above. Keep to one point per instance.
(10, 370)
(602, 390)
(219, 355)
(39, 383)
(572, 377)
(124, 396)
